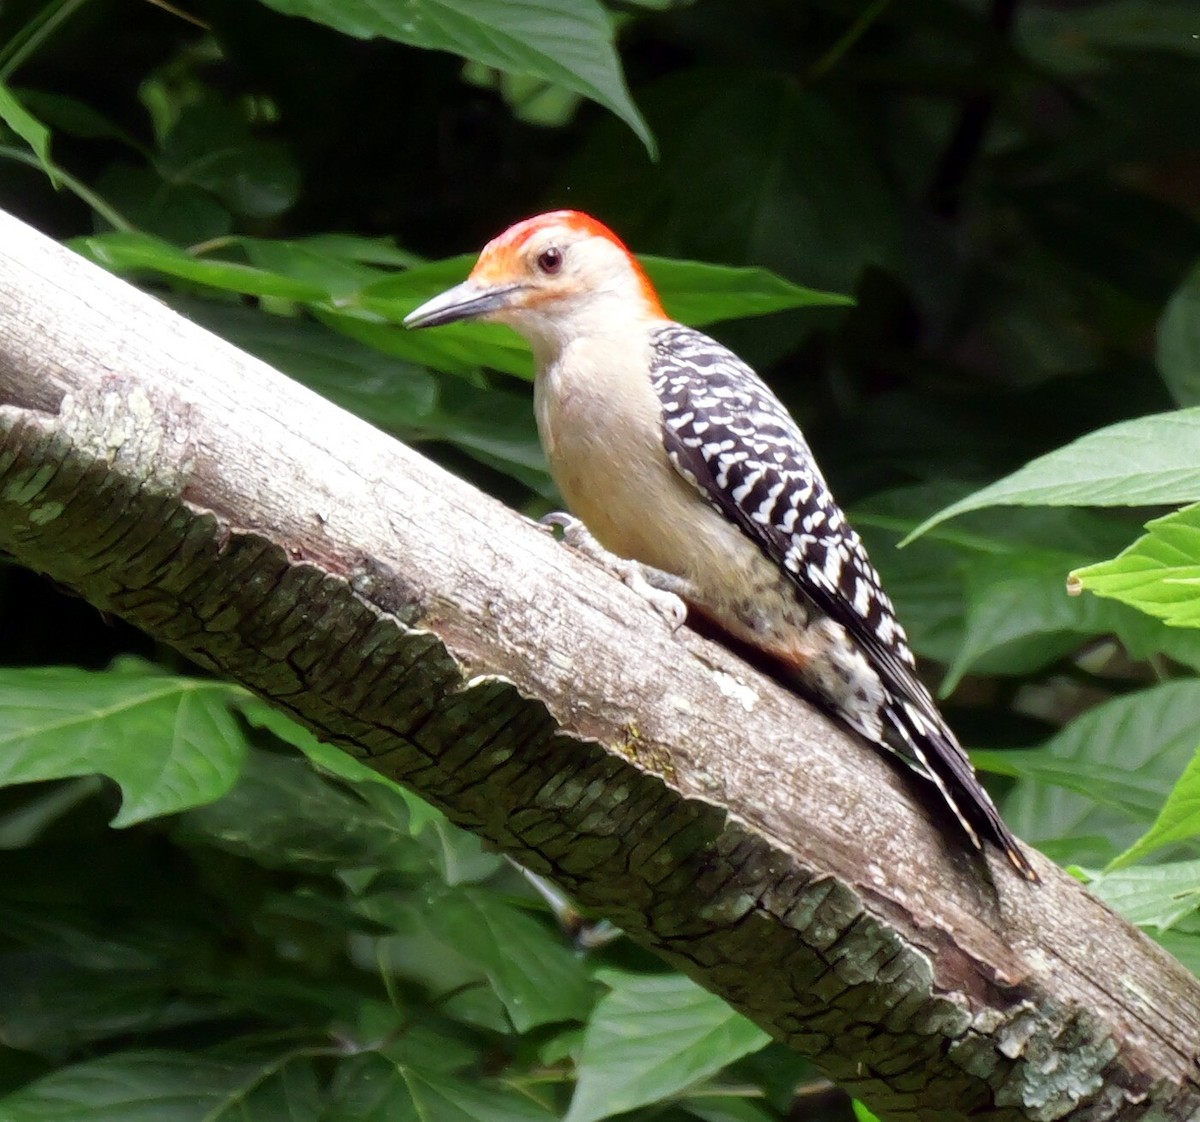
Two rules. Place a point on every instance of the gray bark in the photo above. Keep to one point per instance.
(452, 645)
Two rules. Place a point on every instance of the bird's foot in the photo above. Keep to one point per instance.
(664, 592)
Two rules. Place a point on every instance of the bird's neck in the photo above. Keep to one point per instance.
(550, 336)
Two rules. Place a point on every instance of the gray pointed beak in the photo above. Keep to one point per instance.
(468, 300)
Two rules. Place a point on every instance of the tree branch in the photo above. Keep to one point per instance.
(450, 644)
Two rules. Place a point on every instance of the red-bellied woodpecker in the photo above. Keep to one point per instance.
(677, 456)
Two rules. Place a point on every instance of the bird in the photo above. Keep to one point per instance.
(676, 458)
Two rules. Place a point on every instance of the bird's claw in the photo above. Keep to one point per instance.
(575, 533)
(642, 579)
(668, 605)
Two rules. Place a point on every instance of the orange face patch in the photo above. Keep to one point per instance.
(501, 261)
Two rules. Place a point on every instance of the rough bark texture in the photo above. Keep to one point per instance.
(401, 614)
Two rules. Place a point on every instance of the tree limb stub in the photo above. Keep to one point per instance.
(452, 645)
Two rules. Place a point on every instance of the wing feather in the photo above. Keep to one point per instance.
(729, 436)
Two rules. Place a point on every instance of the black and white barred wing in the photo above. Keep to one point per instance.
(728, 435)
(731, 437)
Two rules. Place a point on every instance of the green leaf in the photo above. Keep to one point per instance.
(171, 743)
(335, 761)
(457, 855)
(56, 1007)
(699, 293)
(436, 1047)
(652, 1036)
(457, 348)
(371, 1089)
(1148, 736)
(529, 98)
(494, 425)
(756, 169)
(533, 971)
(137, 1087)
(1159, 574)
(727, 1107)
(1185, 946)
(1148, 460)
(284, 815)
(455, 982)
(567, 42)
(73, 116)
(397, 396)
(1019, 619)
(309, 261)
(1179, 342)
(1105, 784)
(459, 1100)
(355, 247)
(292, 1093)
(1155, 896)
(1147, 638)
(211, 146)
(1018, 613)
(1179, 819)
(394, 296)
(693, 292)
(989, 595)
(122, 252)
(28, 128)
(181, 214)
(25, 823)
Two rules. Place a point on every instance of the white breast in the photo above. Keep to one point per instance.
(600, 423)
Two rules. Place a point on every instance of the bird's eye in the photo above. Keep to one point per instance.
(550, 260)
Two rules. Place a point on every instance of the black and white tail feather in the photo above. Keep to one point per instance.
(731, 437)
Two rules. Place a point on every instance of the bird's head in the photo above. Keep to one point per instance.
(552, 278)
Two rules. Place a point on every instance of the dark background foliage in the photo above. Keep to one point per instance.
(1009, 191)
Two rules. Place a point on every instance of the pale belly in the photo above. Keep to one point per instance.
(606, 454)
(604, 446)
